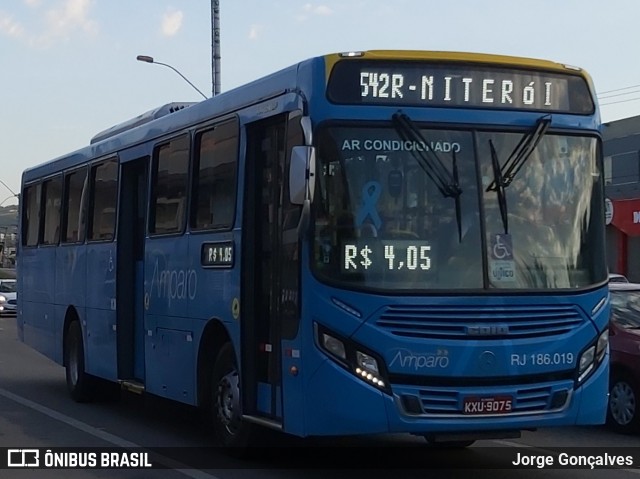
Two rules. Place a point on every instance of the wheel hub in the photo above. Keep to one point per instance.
(74, 364)
(228, 403)
(622, 403)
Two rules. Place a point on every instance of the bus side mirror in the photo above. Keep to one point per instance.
(302, 174)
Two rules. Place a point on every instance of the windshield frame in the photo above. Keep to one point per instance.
(474, 130)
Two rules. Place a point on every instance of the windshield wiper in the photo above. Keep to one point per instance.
(498, 180)
(521, 153)
(446, 181)
(502, 177)
(428, 160)
(454, 165)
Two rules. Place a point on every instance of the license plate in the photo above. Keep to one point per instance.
(487, 405)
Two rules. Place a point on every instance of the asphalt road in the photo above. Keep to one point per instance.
(36, 412)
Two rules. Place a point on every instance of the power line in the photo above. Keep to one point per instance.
(620, 101)
(627, 90)
(618, 94)
(617, 89)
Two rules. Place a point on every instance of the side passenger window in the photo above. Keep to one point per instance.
(169, 187)
(31, 215)
(104, 182)
(75, 199)
(214, 183)
(52, 196)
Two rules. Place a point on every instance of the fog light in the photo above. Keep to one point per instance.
(411, 404)
(559, 399)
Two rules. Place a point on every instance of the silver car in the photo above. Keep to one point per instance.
(7, 297)
(617, 278)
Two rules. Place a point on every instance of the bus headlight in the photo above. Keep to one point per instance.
(334, 346)
(364, 364)
(586, 363)
(592, 356)
(3, 299)
(367, 362)
(602, 345)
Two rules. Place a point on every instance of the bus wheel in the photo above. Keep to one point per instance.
(228, 427)
(78, 381)
(623, 413)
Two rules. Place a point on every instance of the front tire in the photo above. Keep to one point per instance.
(79, 383)
(228, 427)
(623, 410)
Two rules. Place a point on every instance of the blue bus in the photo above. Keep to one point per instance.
(361, 243)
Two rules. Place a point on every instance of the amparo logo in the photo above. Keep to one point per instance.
(174, 284)
(417, 361)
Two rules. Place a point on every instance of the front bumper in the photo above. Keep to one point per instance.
(351, 406)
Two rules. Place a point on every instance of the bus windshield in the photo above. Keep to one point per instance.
(413, 212)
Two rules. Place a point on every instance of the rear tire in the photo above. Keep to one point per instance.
(623, 411)
(79, 383)
(229, 429)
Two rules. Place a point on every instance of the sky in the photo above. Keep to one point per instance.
(68, 68)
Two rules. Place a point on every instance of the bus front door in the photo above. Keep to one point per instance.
(262, 271)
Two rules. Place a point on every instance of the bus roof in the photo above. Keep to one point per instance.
(452, 56)
(163, 119)
(140, 120)
(168, 117)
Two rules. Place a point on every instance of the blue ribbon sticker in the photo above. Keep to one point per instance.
(370, 195)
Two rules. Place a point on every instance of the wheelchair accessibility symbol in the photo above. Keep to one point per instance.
(501, 247)
(502, 268)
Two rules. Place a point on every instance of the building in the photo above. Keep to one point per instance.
(622, 190)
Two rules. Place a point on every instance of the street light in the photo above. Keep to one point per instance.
(7, 187)
(7, 199)
(148, 59)
(13, 193)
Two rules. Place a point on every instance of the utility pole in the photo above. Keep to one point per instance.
(215, 47)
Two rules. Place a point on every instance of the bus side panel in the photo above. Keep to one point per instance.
(294, 402)
(100, 328)
(38, 271)
(71, 281)
(170, 285)
(339, 403)
(172, 355)
(101, 340)
(213, 289)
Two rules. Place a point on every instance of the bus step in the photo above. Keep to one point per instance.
(270, 423)
(132, 386)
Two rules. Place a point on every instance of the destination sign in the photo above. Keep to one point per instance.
(456, 85)
(219, 254)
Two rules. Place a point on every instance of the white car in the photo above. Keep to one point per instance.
(7, 297)
(617, 278)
